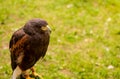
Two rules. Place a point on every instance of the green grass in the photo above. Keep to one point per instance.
(85, 39)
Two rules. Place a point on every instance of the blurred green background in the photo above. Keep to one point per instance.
(85, 39)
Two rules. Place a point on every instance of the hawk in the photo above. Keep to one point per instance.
(28, 45)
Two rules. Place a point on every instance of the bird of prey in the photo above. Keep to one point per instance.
(28, 45)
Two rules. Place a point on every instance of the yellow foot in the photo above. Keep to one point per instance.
(25, 78)
(37, 75)
(29, 78)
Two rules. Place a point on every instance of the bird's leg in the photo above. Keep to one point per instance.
(33, 71)
(35, 74)
(25, 74)
(16, 72)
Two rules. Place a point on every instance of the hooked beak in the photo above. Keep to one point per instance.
(46, 28)
(49, 28)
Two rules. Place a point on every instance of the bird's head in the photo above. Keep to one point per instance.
(38, 25)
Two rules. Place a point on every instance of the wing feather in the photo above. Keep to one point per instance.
(16, 46)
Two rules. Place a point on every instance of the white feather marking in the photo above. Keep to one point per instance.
(16, 72)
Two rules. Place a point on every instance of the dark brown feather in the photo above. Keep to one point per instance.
(29, 44)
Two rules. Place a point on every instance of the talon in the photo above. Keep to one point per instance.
(29, 77)
(35, 74)
(25, 75)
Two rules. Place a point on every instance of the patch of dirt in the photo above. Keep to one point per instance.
(66, 72)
